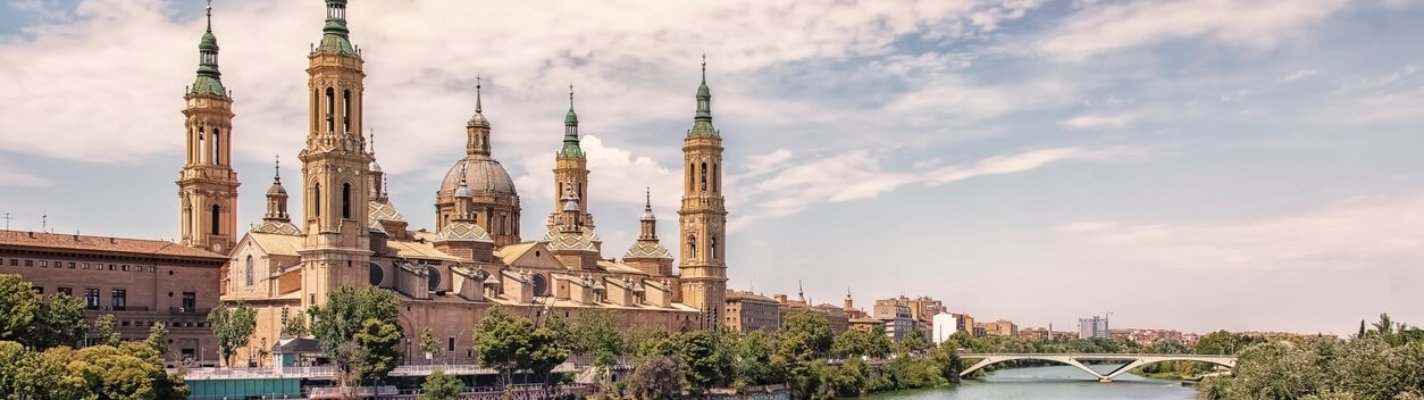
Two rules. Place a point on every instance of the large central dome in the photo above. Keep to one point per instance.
(483, 175)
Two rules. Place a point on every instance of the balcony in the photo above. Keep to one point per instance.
(188, 310)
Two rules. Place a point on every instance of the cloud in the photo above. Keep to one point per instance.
(1359, 232)
(614, 172)
(1102, 28)
(763, 163)
(1089, 121)
(858, 174)
(1298, 75)
(11, 177)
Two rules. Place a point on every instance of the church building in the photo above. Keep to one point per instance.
(348, 233)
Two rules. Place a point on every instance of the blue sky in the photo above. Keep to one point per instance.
(1191, 164)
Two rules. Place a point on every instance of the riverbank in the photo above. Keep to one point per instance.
(1048, 383)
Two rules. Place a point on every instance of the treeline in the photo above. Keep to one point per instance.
(41, 357)
(804, 354)
(1383, 361)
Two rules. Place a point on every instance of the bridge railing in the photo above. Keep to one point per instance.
(1091, 355)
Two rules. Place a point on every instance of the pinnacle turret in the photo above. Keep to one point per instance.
(571, 147)
(209, 78)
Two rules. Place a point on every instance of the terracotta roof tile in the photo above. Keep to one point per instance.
(103, 244)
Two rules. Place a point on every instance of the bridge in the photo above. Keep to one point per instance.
(1131, 361)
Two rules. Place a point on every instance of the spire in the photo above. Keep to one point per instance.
(479, 108)
(277, 168)
(478, 120)
(209, 79)
(571, 147)
(702, 120)
(649, 222)
(334, 38)
(276, 195)
(648, 205)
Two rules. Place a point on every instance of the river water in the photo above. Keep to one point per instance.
(1056, 383)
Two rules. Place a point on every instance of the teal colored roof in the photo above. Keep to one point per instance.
(335, 34)
(209, 78)
(571, 150)
(702, 120)
(207, 84)
(571, 119)
(209, 41)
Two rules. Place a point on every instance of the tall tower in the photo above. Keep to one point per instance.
(571, 170)
(703, 216)
(207, 185)
(335, 166)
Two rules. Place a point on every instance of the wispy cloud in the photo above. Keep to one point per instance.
(9, 176)
(1098, 121)
(1365, 231)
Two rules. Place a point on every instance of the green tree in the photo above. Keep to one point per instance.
(753, 359)
(158, 339)
(106, 328)
(59, 321)
(658, 377)
(345, 314)
(233, 326)
(549, 348)
(441, 386)
(18, 304)
(428, 344)
(599, 336)
(804, 338)
(296, 326)
(502, 342)
(913, 343)
(705, 361)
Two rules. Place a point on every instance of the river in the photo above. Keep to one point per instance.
(1056, 383)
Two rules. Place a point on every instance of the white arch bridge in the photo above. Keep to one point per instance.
(1131, 361)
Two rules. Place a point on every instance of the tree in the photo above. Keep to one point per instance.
(658, 377)
(233, 326)
(914, 342)
(548, 347)
(158, 339)
(753, 359)
(705, 362)
(502, 341)
(296, 326)
(106, 328)
(441, 386)
(597, 334)
(337, 324)
(18, 304)
(59, 321)
(805, 337)
(428, 344)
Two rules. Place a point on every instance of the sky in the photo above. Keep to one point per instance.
(1185, 164)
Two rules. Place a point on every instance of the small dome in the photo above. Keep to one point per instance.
(209, 42)
(276, 189)
(464, 191)
(482, 174)
(478, 120)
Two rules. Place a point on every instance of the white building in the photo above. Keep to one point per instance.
(944, 326)
(1095, 327)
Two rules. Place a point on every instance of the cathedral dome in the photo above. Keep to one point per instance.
(483, 175)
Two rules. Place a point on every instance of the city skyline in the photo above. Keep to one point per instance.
(1023, 166)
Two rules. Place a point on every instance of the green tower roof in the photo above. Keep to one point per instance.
(209, 79)
(571, 147)
(335, 36)
(702, 120)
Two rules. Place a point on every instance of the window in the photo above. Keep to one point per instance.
(316, 199)
(346, 200)
(38, 289)
(216, 211)
(190, 301)
(450, 343)
(217, 146)
(84, 266)
(64, 290)
(713, 247)
(120, 298)
(29, 263)
(248, 271)
(111, 267)
(44, 263)
(14, 262)
(330, 109)
(346, 111)
(91, 298)
(704, 177)
(691, 246)
(285, 312)
(126, 268)
(71, 265)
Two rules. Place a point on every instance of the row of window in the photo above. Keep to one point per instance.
(15, 262)
(118, 297)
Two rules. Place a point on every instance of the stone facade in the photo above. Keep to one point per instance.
(351, 234)
(747, 312)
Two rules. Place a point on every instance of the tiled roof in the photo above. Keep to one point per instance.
(282, 245)
(104, 244)
(509, 254)
(619, 268)
(422, 250)
(739, 295)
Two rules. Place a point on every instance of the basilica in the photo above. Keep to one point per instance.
(346, 232)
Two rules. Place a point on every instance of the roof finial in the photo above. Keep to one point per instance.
(648, 205)
(478, 107)
(571, 96)
(704, 68)
(277, 168)
(372, 141)
(210, 15)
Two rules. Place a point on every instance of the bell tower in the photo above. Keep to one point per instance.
(703, 216)
(335, 166)
(207, 185)
(571, 170)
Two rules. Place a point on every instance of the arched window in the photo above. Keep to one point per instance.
(713, 247)
(248, 271)
(316, 199)
(346, 111)
(330, 109)
(217, 146)
(716, 178)
(202, 151)
(216, 212)
(346, 200)
(691, 173)
(704, 177)
(691, 246)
